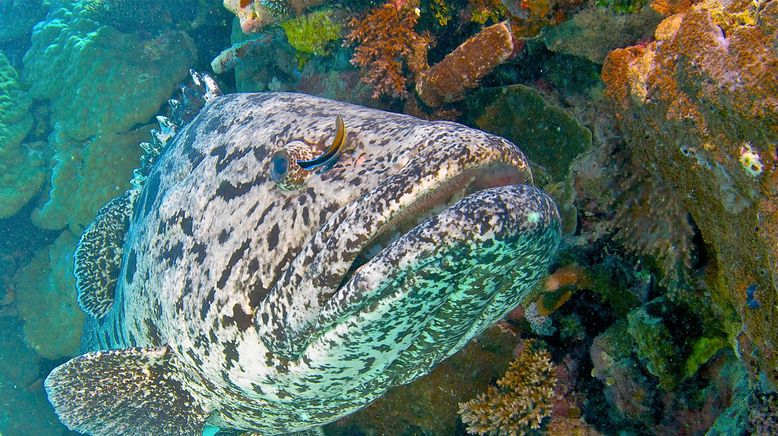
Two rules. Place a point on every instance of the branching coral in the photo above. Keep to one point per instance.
(387, 43)
(522, 398)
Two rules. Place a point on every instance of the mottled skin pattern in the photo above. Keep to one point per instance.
(242, 280)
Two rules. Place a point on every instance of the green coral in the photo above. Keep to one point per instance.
(655, 345)
(312, 33)
(21, 172)
(548, 135)
(98, 79)
(621, 6)
(702, 351)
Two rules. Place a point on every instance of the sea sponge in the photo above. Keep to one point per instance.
(98, 79)
(699, 111)
(21, 174)
(46, 302)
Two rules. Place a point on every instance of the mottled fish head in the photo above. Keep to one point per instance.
(300, 256)
(403, 203)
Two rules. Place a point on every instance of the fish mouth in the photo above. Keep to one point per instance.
(423, 208)
(432, 203)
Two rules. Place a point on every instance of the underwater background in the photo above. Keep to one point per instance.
(652, 124)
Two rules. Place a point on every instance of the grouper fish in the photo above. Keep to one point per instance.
(242, 285)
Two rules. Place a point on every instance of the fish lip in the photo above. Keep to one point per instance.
(501, 242)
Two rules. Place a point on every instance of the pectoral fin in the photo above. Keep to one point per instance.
(98, 257)
(135, 391)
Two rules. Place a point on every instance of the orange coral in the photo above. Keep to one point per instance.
(385, 42)
(522, 398)
(690, 104)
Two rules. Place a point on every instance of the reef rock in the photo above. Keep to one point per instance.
(700, 107)
(44, 299)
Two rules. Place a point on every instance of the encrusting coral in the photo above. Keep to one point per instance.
(522, 398)
(690, 105)
(386, 44)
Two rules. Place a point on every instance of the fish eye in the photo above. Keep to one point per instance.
(279, 166)
(284, 169)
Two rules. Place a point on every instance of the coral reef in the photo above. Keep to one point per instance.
(52, 318)
(522, 399)
(692, 103)
(763, 417)
(593, 32)
(21, 172)
(18, 16)
(460, 71)
(649, 220)
(313, 32)
(621, 6)
(484, 11)
(99, 83)
(149, 15)
(25, 410)
(254, 15)
(99, 80)
(86, 175)
(388, 49)
(548, 135)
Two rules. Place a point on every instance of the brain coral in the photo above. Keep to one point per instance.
(98, 79)
(21, 174)
(691, 104)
